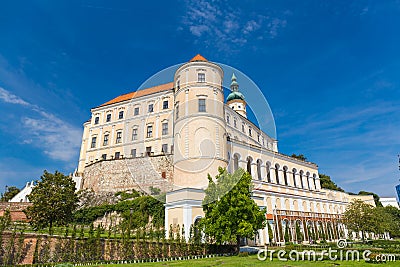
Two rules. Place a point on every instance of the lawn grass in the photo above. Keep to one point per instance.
(233, 261)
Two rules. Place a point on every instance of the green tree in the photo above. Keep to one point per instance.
(53, 201)
(230, 213)
(327, 183)
(9, 193)
(394, 220)
(383, 220)
(300, 157)
(359, 217)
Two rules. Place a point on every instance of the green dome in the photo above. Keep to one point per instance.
(235, 95)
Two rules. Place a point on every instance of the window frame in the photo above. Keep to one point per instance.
(136, 111)
(165, 151)
(164, 130)
(93, 142)
(202, 107)
(121, 115)
(149, 131)
(118, 139)
(165, 104)
(106, 139)
(150, 108)
(135, 133)
(201, 77)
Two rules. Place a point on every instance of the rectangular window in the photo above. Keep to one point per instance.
(149, 131)
(178, 85)
(105, 141)
(136, 111)
(104, 156)
(121, 115)
(148, 150)
(202, 105)
(164, 175)
(96, 120)
(165, 128)
(108, 117)
(164, 148)
(235, 123)
(134, 134)
(227, 119)
(93, 144)
(249, 131)
(133, 153)
(165, 104)
(119, 138)
(201, 77)
(151, 108)
(117, 155)
(242, 127)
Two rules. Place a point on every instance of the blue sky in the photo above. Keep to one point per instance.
(330, 71)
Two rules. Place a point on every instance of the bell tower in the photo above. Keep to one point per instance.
(235, 99)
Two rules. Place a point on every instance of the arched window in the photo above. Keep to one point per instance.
(268, 166)
(285, 175)
(249, 161)
(259, 169)
(235, 162)
(294, 177)
(301, 179)
(277, 173)
(308, 180)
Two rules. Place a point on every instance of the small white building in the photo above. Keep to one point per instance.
(22, 196)
(389, 201)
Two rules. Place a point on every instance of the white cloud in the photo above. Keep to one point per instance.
(58, 140)
(226, 27)
(8, 97)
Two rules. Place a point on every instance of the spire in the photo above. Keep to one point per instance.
(198, 57)
(234, 84)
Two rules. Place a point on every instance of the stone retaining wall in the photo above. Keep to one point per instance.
(129, 173)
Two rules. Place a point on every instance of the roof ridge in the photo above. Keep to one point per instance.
(139, 93)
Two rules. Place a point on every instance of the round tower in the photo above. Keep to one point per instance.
(199, 124)
(235, 99)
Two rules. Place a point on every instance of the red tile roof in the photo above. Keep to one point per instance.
(198, 57)
(143, 92)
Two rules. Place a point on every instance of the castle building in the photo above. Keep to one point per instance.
(171, 136)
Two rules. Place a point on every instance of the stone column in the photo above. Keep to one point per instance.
(311, 183)
(317, 184)
(254, 171)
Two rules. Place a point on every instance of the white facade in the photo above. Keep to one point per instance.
(389, 201)
(189, 120)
